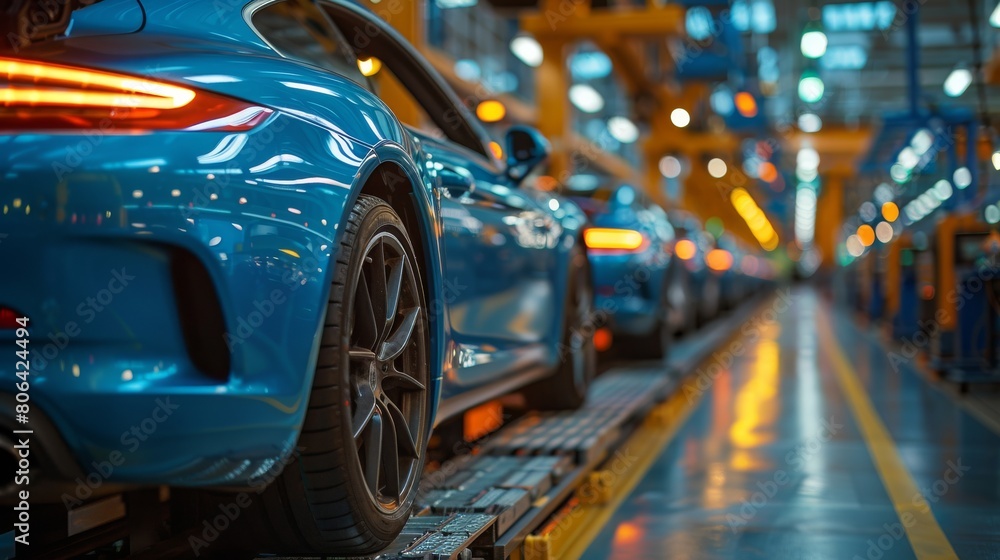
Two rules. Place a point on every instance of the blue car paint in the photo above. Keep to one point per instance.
(105, 201)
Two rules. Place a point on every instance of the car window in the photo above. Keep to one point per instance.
(404, 105)
(296, 29)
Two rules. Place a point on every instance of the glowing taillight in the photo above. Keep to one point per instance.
(610, 239)
(9, 317)
(40, 95)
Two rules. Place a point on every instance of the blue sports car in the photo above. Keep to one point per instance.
(637, 284)
(237, 265)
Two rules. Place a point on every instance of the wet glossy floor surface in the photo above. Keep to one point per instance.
(811, 439)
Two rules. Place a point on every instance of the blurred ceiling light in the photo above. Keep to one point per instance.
(866, 235)
(623, 130)
(680, 117)
(883, 231)
(445, 4)
(957, 82)
(890, 211)
(813, 44)
(992, 213)
(767, 172)
(854, 246)
(867, 211)
(908, 158)
(719, 260)
(811, 87)
(883, 193)
(468, 70)
(586, 98)
(844, 57)
(746, 104)
(899, 173)
(810, 122)
(717, 168)
(722, 101)
(699, 23)
(962, 177)
(995, 16)
(369, 66)
(491, 111)
(670, 167)
(527, 50)
(590, 65)
(807, 158)
(996, 160)
(922, 141)
(943, 190)
(685, 249)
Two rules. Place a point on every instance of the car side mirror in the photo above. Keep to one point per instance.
(526, 150)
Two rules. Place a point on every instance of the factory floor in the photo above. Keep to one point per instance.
(811, 438)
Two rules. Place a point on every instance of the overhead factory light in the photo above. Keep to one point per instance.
(717, 168)
(680, 117)
(445, 4)
(866, 235)
(746, 104)
(811, 87)
(810, 122)
(922, 141)
(890, 211)
(992, 213)
(943, 190)
(962, 177)
(957, 82)
(623, 130)
(883, 231)
(722, 101)
(908, 158)
(854, 246)
(527, 50)
(586, 98)
(670, 167)
(995, 16)
(491, 111)
(807, 158)
(813, 43)
(369, 66)
(996, 160)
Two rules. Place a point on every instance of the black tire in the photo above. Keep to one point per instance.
(566, 388)
(325, 501)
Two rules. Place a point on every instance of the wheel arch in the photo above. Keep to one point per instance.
(393, 177)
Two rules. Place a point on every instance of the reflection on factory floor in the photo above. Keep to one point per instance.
(814, 439)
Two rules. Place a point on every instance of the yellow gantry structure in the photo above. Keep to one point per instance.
(558, 25)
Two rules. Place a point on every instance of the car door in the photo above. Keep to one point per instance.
(498, 243)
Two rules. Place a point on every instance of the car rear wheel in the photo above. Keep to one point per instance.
(361, 449)
(567, 388)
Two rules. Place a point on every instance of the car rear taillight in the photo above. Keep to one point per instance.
(612, 239)
(39, 95)
(9, 317)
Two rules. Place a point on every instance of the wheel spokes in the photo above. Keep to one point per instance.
(378, 289)
(366, 330)
(405, 440)
(364, 412)
(394, 345)
(402, 380)
(390, 455)
(373, 453)
(393, 288)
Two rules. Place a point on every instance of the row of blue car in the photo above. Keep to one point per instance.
(211, 212)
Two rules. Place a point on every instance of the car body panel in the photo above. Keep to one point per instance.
(260, 211)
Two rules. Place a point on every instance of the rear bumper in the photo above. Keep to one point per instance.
(123, 260)
(629, 289)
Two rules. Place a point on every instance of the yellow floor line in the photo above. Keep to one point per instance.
(922, 529)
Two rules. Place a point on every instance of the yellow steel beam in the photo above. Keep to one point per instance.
(552, 84)
(408, 19)
(829, 217)
(563, 22)
(829, 141)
